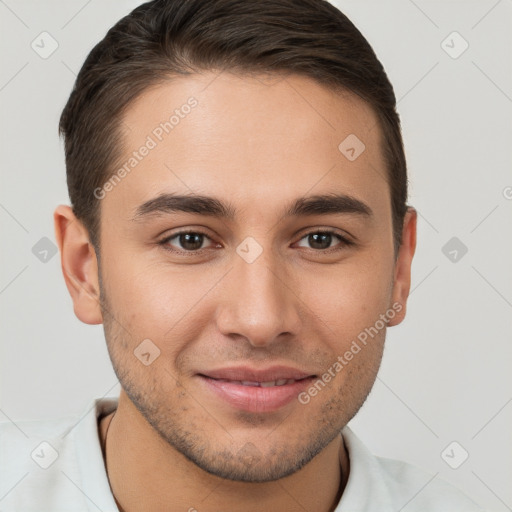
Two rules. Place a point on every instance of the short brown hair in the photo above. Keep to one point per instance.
(166, 38)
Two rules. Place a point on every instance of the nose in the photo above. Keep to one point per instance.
(260, 302)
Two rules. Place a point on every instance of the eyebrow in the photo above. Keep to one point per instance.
(325, 204)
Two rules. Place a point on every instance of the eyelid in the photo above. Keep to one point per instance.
(332, 231)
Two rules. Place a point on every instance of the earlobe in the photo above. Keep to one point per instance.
(402, 279)
(79, 265)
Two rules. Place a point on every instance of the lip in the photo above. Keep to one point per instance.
(225, 384)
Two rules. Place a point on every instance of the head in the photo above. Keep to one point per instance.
(238, 187)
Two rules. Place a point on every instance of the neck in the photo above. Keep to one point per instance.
(146, 473)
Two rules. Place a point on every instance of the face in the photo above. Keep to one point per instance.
(230, 319)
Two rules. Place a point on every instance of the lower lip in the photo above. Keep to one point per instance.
(255, 398)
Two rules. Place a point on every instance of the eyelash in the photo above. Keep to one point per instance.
(344, 242)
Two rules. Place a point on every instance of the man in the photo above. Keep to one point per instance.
(239, 226)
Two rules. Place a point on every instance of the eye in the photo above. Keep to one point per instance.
(187, 241)
(322, 240)
(194, 241)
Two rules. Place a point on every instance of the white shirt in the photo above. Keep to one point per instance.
(57, 465)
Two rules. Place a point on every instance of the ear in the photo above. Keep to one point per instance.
(79, 265)
(402, 279)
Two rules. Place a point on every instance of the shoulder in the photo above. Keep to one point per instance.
(32, 454)
(378, 483)
(422, 490)
(46, 464)
(26, 443)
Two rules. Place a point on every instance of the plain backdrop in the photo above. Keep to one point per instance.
(446, 374)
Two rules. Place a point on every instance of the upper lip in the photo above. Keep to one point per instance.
(246, 373)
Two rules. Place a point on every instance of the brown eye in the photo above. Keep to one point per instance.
(320, 240)
(323, 240)
(185, 241)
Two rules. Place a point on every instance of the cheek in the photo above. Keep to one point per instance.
(349, 298)
(157, 301)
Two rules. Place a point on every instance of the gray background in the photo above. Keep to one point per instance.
(446, 370)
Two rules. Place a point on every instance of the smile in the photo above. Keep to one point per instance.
(255, 390)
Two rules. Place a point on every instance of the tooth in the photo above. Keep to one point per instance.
(281, 382)
(290, 381)
(268, 384)
(249, 383)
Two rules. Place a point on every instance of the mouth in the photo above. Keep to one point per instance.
(254, 390)
(267, 384)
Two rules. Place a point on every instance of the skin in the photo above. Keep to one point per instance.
(259, 145)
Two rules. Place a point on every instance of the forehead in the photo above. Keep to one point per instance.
(251, 138)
